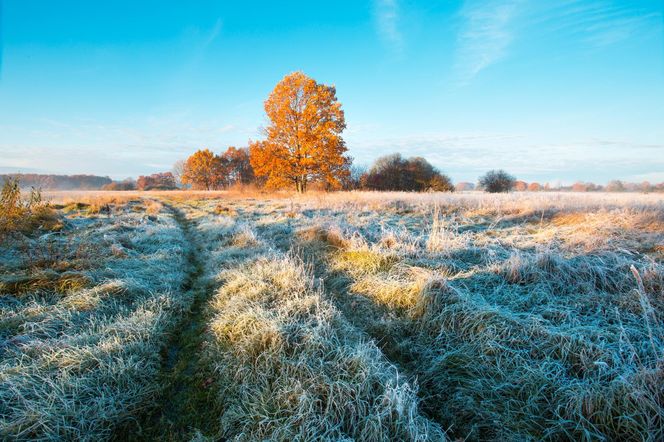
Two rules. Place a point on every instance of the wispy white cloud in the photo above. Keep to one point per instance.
(485, 36)
(387, 18)
(489, 28)
(596, 23)
(201, 41)
(213, 33)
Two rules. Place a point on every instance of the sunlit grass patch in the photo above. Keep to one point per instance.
(291, 367)
(362, 261)
(44, 281)
(398, 290)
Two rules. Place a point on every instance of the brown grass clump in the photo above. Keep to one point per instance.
(324, 236)
(244, 237)
(569, 219)
(223, 209)
(45, 281)
(153, 207)
(24, 215)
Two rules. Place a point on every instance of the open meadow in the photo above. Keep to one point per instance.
(362, 316)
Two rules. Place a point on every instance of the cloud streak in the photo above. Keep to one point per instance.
(387, 17)
(485, 36)
(489, 28)
(213, 34)
(596, 23)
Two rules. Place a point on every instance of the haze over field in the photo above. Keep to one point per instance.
(564, 90)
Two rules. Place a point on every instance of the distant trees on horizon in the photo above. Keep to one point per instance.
(303, 149)
(238, 171)
(156, 181)
(393, 172)
(59, 182)
(126, 184)
(497, 181)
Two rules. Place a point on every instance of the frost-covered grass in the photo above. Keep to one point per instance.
(516, 326)
(291, 367)
(523, 317)
(286, 365)
(83, 316)
(367, 316)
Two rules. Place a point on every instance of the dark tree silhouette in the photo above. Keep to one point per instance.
(393, 172)
(496, 181)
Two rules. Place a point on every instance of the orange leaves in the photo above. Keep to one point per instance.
(237, 166)
(203, 170)
(207, 171)
(304, 141)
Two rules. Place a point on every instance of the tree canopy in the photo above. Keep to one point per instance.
(203, 170)
(303, 143)
(237, 167)
(156, 181)
(393, 172)
(495, 181)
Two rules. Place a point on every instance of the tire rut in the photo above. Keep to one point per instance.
(187, 407)
(393, 337)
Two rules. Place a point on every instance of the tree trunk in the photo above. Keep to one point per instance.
(301, 184)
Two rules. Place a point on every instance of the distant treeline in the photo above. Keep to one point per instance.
(579, 186)
(59, 182)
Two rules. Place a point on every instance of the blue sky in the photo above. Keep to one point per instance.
(549, 90)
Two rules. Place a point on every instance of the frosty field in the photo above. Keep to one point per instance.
(342, 316)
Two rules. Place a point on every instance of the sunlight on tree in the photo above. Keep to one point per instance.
(304, 143)
(203, 170)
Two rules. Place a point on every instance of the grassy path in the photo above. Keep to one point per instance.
(187, 406)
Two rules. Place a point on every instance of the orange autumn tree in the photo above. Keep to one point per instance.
(304, 143)
(203, 170)
(237, 166)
